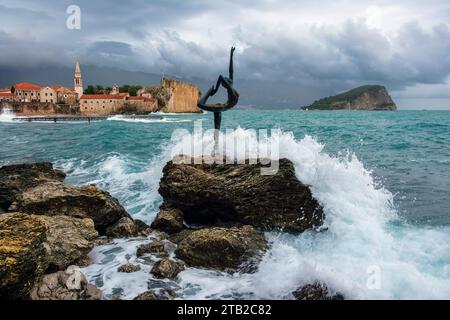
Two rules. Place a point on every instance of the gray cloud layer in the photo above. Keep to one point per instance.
(337, 44)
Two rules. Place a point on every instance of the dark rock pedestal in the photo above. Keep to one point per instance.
(237, 194)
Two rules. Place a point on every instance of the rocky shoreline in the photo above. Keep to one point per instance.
(213, 217)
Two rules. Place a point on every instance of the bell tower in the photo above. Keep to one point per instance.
(78, 81)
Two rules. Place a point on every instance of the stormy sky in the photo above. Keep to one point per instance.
(338, 44)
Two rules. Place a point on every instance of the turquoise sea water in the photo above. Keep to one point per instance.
(383, 178)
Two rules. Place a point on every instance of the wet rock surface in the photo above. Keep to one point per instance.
(157, 248)
(216, 213)
(127, 227)
(316, 291)
(129, 268)
(15, 179)
(55, 198)
(221, 248)
(39, 189)
(31, 245)
(233, 195)
(23, 256)
(167, 268)
(65, 285)
(68, 240)
(162, 294)
(54, 227)
(169, 221)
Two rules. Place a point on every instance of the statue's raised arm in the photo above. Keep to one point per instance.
(233, 95)
(231, 64)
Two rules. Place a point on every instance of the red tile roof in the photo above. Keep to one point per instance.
(5, 90)
(6, 95)
(102, 96)
(27, 86)
(149, 100)
(63, 89)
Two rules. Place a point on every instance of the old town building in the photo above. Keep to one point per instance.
(102, 104)
(141, 104)
(27, 92)
(65, 95)
(48, 95)
(7, 97)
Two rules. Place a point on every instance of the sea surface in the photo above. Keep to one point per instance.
(382, 177)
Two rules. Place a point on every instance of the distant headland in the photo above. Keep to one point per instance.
(370, 97)
(172, 96)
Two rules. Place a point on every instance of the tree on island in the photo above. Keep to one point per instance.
(90, 90)
(98, 89)
(131, 89)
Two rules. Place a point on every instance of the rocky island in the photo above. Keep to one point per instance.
(370, 97)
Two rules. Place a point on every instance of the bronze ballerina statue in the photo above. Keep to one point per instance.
(233, 96)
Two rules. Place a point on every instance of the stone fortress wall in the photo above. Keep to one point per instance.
(183, 96)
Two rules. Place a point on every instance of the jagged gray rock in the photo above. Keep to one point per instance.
(222, 249)
(222, 195)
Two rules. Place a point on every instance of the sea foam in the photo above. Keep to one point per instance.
(7, 115)
(146, 120)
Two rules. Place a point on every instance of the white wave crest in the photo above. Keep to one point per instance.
(146, 120)
(7, 115)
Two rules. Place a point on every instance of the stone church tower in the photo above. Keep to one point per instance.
(78, 81)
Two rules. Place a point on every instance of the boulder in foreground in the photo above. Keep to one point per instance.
(30, 245)
(233, 195)
(169, 221)
(67, 240)
(167, 268)
(316, 291)
(222, 249)
(129, 268)
(127, 227)
(22, 254)
(65, 285)
(15, 179)
(39, 189)
(162, 294)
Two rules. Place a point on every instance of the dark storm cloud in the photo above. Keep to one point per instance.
(111, 48)
(339, 44)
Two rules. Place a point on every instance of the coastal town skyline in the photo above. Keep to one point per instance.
(31, 99)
